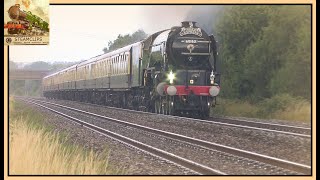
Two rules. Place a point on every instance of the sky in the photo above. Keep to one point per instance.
(80, 32)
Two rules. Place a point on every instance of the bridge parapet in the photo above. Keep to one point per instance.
(27, 74)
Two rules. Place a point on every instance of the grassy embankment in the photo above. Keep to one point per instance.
(35, 149)
(283, 107)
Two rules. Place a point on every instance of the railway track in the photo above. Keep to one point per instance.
(235, 154)
(304, 132)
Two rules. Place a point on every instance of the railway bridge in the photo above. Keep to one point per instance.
(24, 82)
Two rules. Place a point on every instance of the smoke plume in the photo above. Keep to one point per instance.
(26, 3)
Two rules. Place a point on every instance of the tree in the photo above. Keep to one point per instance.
(127, 39)
(12, 65)
(238, 28)
(38, 65)
(265, 51)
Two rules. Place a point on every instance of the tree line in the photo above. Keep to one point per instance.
(264, 51)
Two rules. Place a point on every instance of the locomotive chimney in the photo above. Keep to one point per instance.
(188, 24)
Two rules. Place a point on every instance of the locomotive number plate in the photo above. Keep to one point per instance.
(191, 41)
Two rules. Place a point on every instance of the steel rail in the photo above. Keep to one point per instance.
(261, 126)
(301, 168)
(198, 168)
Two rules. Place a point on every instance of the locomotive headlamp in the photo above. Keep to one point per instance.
(171, 77)
(212, 76)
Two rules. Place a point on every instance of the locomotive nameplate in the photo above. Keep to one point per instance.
(26, 22)
(190, 30)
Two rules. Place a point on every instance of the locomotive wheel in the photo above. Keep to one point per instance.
(204, 114)
(163, 105)
(157, 106)
(170, 106)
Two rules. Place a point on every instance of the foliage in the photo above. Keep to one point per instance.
(265, 50)
(38, 65)
(33, 87)
(265, 57)
(282, 106)
(123, 40)
(12, 65)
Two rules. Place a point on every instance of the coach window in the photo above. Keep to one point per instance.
(78, 74)
(85, 72)
(107, 67)
(103, 69)
(112, 66)
(96, 70)
(100, 68)
(127, 63)
(117, 65)
(119, 71)
(93, 71)
(82, 73)
(120, 64)
(124, 63)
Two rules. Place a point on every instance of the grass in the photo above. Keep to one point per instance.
(283, 106)
(35, 149)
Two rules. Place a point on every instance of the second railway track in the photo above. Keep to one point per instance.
(270, 164)
(294, 130)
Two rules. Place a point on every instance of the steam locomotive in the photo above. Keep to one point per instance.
(172, 72)
(25, 23)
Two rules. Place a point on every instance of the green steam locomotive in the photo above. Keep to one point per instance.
(24, 22)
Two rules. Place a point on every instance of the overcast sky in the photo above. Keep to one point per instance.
(81, 32)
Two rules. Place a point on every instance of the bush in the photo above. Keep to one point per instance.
(282, 106)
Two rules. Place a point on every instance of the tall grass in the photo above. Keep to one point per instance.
(37, 150)
(281, 106)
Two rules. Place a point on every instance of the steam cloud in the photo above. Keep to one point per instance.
(205, 16)
(26, 3)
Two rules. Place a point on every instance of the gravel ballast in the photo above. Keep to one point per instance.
(282, 146)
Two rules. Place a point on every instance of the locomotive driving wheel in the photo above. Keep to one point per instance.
(170, 106)
(167, 106)
(163, 105)
(157, 106)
